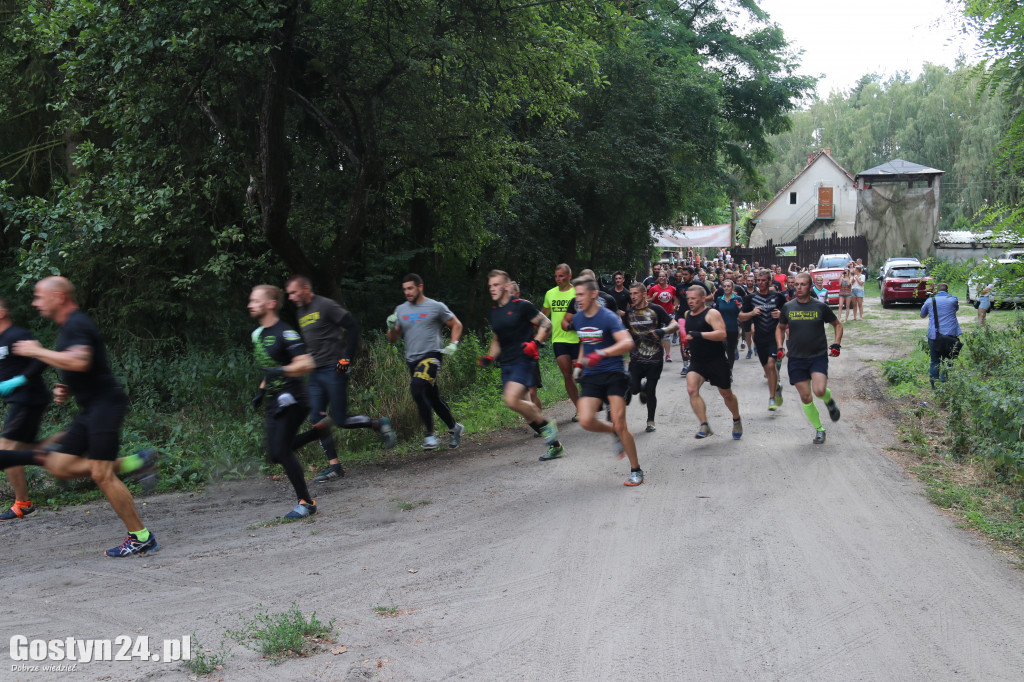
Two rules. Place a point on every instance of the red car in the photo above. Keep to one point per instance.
(905, 284)
(830, 280)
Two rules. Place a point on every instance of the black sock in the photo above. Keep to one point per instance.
(537, 427)
(637, 469)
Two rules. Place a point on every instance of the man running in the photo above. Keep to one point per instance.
(564, 341)
(603, 342)
(648, 325)
(23, 390)
(80, 356)
(283, 359)
(706, 336)
(620, 292)
(420, 320)
(805, 318)
(332, 336)
(729, 304)
(764, 307)
(513, 289)
(513, 343)
(664, 295)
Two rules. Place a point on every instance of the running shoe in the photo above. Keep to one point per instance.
(833, 410)
(18, 510)
(575, 418)
(684, 370)
(750, 352)
(550, 432)
(331, 473)
(643, 393)
(302, 510)
(147, 475)
(668, 358)
(771, 405)
(635, 478)
(819, 437)
(778, 394)
(737, 355)
(737, 428)
(743, 346)
(554, 452)
(387, 433)
(650, 427)
(455, 435)
(431, 442)
(132, 546)
(704, 431)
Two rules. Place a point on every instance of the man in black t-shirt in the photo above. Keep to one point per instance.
(332, 336)
(23, 390)
(805, 318)
(517, 347)
(620, 292)
(80, 356)
(764, 307)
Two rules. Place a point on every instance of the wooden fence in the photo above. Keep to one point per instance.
(807, 251)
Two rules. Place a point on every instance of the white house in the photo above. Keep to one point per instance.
(820, 200)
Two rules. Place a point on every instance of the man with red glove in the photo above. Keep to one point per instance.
(332, 336)
(764, 306)
(805, 318)
(516, 345)
(602, 371)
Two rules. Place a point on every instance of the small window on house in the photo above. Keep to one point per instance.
(792, 197)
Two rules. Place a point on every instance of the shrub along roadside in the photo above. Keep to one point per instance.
(966, 434)
(194, 407)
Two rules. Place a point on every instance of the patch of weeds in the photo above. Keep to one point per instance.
(387, 611)
(401, 505)
(283, 635)
(205, 661)
(280, 522)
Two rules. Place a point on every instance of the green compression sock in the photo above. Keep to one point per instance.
(828, 395)
(130, 464)
(140, 535)
(812, 414)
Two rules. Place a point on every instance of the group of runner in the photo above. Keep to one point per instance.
(304, 373)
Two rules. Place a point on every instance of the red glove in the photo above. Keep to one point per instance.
(592, 359)
(833, 350)
(531, 350)
(781, 354)
(485, 361)
(343, 366)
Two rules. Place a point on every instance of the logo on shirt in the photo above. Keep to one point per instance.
(418, 317)
(591, 335)
(307, 320)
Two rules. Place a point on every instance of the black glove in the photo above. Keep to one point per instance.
(343, 366)
(272, 372)
(660, 333)
(833, 350)
(257, 399)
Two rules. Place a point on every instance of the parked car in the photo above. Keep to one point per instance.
(1005, 270)
(905, 283)
(892, 262)
(833, 260)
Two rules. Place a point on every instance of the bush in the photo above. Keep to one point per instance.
(985, 399)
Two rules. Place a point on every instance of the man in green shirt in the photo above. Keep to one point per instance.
(566, 344)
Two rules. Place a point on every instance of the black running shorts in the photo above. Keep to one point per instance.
(96, 430)
(603, 385)
(22, 423)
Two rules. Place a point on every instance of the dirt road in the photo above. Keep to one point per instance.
(763, 559)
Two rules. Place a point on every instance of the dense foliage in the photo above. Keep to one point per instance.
(196, 147)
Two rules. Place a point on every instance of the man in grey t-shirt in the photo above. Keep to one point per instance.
(331, 335)
(419, 321)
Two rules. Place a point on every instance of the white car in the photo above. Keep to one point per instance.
(1013, 267)
(902, 261)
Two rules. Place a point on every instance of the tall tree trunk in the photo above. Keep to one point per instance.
(276, 195)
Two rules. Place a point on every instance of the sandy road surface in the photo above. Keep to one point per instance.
(764, 559)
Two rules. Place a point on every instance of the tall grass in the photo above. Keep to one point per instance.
(194, 407)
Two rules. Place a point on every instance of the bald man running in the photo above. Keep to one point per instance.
(80, 356)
